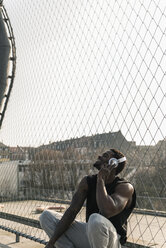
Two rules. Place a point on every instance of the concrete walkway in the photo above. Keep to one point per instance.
(145, 230)
(8, 240)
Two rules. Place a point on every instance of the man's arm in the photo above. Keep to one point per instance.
(70, 214)
(114, 204)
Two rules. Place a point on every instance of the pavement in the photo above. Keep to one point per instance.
(8, 240)
(145, 230)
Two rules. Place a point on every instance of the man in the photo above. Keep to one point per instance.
(109, 202)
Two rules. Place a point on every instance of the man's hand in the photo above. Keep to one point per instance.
(105, 172)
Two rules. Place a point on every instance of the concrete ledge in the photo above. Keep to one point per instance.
(20, 219)
(150, 212)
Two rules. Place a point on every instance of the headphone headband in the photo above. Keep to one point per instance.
(120, 160)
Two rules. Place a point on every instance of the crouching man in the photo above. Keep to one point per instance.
(109, 202)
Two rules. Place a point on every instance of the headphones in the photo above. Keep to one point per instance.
(114, 161)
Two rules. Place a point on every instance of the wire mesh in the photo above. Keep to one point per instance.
(90, 76)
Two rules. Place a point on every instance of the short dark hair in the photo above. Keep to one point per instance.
(117, 154)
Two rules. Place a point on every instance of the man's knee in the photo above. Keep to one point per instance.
(96, 219)
(96, 223)
(93, 218)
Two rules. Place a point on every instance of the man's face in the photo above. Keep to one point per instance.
(102, 160)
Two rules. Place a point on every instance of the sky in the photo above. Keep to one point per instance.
(87, 67)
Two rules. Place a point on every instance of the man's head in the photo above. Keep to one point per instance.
(104, 159)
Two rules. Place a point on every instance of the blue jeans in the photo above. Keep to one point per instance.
(97, 233)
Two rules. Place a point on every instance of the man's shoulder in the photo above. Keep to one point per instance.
(91, 178)
(128, 186)
(122, 182)
(125, 189)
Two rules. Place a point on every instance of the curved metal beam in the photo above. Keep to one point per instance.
(7, 60)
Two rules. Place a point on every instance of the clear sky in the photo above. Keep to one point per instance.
(87, 67)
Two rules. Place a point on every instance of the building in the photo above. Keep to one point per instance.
(111, 139)
(4, 152)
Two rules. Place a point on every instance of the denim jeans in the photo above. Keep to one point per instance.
(97, 233)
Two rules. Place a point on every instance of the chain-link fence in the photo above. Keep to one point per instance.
(90, 76)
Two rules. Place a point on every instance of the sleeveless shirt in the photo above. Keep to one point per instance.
(120, 220)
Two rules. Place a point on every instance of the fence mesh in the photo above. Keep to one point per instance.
(90, 76)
